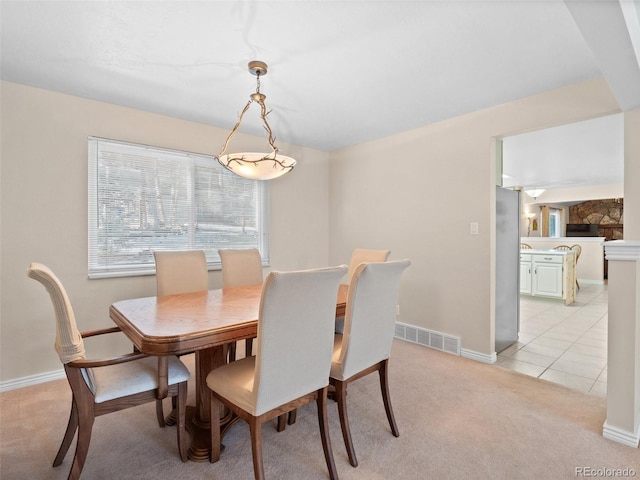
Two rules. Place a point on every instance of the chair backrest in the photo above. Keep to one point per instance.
(370, 316)
(69, 344)
(578, 250)
(181, 272)
(295, 335)
(363, 255)
(562, 247)
(240, 267)
(525, 246)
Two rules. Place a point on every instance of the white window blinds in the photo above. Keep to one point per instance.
(145, 198)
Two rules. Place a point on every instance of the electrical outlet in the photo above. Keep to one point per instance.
(473, 228)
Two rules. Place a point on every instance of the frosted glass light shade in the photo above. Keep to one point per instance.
(257, 166)
(535, 193)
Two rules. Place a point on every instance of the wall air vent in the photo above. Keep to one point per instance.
(428, 338)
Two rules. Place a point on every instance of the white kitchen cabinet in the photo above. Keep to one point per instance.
(548, 273)
(525, 273)
(546, 278)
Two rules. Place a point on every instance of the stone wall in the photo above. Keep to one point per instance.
(608, 214)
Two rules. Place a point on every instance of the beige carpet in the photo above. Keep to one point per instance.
(458, 419)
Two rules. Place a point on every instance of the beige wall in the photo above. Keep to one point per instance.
(632, 175)
(398, 192)
(44, 212)
(417, 192)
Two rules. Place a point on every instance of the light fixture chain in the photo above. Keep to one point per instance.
(267, 127)
(235, 128)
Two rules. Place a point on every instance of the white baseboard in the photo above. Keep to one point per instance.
(479, 357)
(631, 439)
(31, 380)
(590, 282)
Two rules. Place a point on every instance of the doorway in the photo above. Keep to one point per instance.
(565, 344)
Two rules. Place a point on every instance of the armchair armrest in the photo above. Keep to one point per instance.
(163, 361)
(101, 331)
(104, 362)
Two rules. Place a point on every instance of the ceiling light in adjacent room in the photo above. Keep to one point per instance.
(534, 192)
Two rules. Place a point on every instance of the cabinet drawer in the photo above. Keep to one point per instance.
(547, 258)
(525, 257)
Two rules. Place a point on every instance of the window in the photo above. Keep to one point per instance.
(145, 198)
(555, 222)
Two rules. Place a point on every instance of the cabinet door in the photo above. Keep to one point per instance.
(547, 279)
(525, 277)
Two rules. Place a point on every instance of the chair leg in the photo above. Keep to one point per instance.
(386, 398)
(182, 413)
(282, 422)
(232, 352)
(85, 425)
(285, 418)
(256, 448)
(293, 414)
(341, 398)
(169, 420)
(248, 347)
(160, 413)
(321, 401)
(72, 426)
(214, 416)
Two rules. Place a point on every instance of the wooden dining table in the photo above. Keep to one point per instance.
(201, 322)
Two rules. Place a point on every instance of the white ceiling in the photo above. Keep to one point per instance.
(340, 72)
(579, 154)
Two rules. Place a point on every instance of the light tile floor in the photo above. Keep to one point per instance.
(565, 344)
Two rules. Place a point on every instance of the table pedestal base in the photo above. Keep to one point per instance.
(197, 422)
(200, 448)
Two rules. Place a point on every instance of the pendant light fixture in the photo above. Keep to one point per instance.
(254, 165)
(535, 192)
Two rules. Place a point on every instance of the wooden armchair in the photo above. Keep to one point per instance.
(108, 385)
(578, 249)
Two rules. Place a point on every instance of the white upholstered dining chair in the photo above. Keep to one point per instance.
(104, 386)
(365, 346)
(240, 267)
(365, 255)
(179, 271)
(361, 255)
(283, 375)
